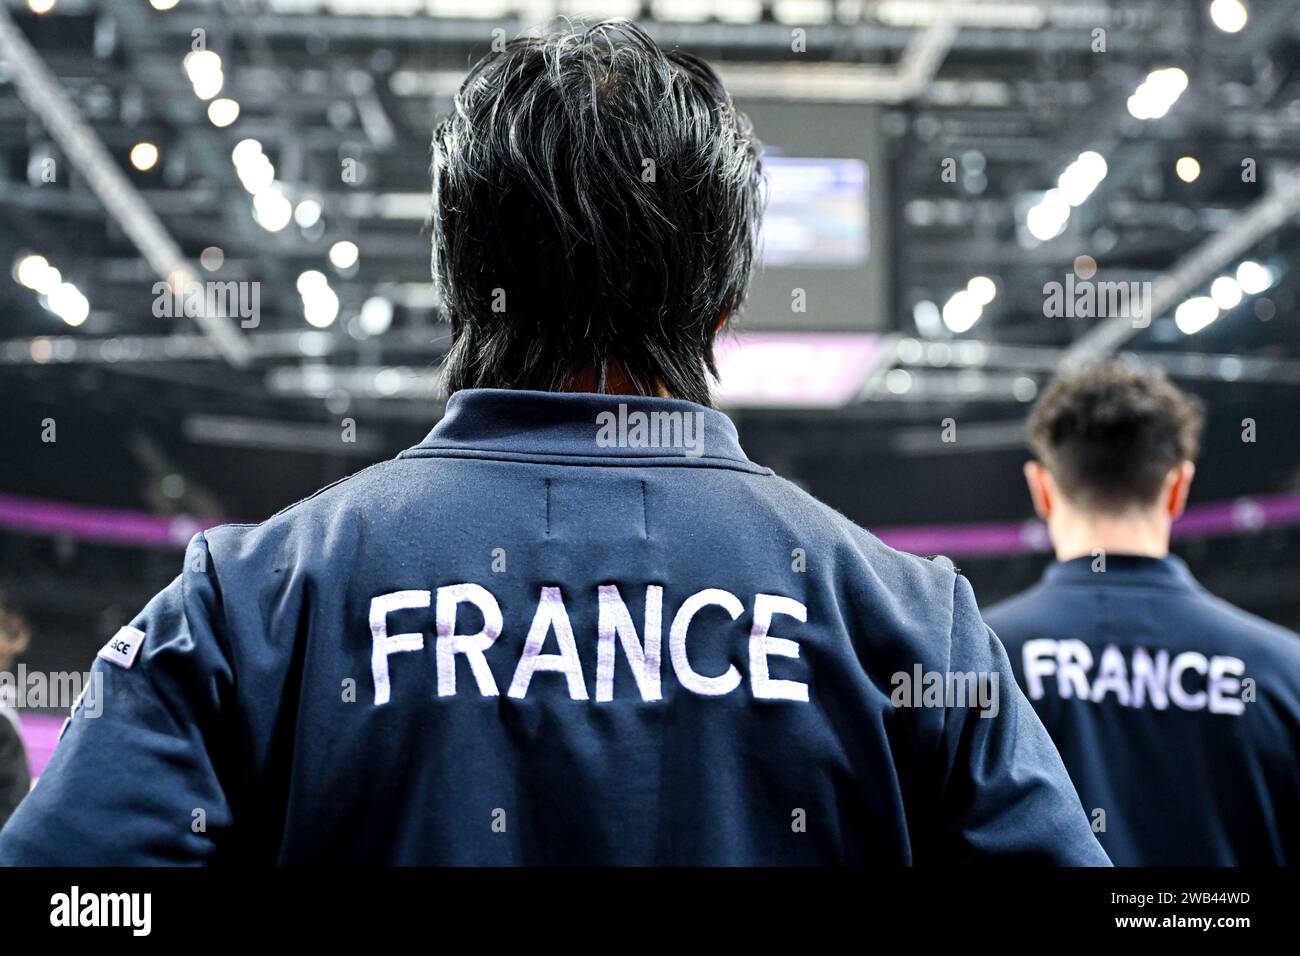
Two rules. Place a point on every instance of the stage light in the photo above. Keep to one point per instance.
(163, 4)
(69, 304)
(1226, 292)
(983, 289)
(320, 306)
(307, 214)
(376, 315)
(388, 381)
(1157, 93)
(223, 112)
(1187, 168)
(203, 67)
(40, 6)
(245, 151)
(271, 210)
(257, 174)
(1195, 314)
(961, 312)
(144, 156)
(36, 273)
(928, 320)
(311, 279)
(1046, 219)
(29, 270)
(1253, 278)
(344, 254)
(1229, 15)
(898, 381)
(1081, 178)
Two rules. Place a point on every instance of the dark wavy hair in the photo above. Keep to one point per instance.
(596, 202)
(1110, 435)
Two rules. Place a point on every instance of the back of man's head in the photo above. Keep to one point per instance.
(1111, 435)
(596, 203)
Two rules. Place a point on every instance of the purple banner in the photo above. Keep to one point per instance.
(108, 525)
(40, 734)
(143, 529)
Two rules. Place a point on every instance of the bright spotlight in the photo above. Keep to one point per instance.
(163, 4)
(1253, 278)
(376, 315)
(1046, 220)
(30, 270)
(1226, 292)
(144, 156)
(223, 112)
(961, 312)
(36, 273)
(307, 214)
(245, 152)
(1169, 83)
(344, 254)
(983, 289)
(40, 6)
(1081, 177)
(256, 174)
(1195, 314)
(69, 304)
(203, 67)
(271, 210)
(310, 280)
(320, 306)
(1187, 168)
(1228, 15)
(50, 281)
(1157, 93)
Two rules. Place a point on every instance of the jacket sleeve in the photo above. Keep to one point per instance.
(1005, 795)
(137, 777)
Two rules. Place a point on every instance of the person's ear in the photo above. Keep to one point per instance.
(722, 321)
(1041, 492)
(1179, 486)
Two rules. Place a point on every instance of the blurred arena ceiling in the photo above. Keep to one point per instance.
(1005, 94)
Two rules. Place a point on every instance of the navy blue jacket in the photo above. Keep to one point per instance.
(1177, 714)
(557, 631)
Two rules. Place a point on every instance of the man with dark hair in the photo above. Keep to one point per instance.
(15, 776)
(1177, 715)
(576, 624)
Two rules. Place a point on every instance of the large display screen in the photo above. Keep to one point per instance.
(816, 213)
(824, 241)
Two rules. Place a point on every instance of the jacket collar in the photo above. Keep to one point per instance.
(1123, 569)
(491, 422)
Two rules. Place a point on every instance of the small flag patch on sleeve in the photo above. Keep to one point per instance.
(122, 647)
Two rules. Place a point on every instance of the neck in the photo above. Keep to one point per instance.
(1076, 535)
(616, 383)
